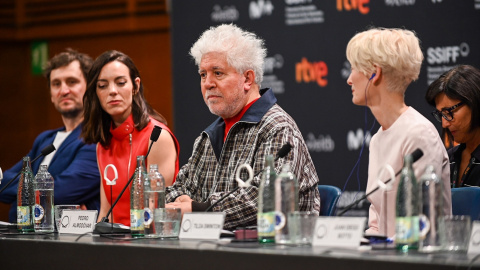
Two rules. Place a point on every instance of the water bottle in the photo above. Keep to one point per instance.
(137, 201)
(25, 198)
(43, 187)
(432, 228)
(154, 190)
(407, 209)
(266, 203)
(286, 201)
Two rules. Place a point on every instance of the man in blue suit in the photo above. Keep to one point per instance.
(74, 164)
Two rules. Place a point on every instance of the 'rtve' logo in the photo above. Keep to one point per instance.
(309, 72)
(353, 4)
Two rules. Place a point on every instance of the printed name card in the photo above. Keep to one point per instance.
(205, 226)
(338, 231)
(77, 221)
(474, 245)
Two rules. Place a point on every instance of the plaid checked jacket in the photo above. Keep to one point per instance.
(263, 130)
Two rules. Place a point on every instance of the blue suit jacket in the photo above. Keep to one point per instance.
(73, 167)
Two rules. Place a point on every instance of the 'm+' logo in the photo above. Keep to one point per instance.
(259, 8)
(360, 5)
(355, 139)
(311, 72)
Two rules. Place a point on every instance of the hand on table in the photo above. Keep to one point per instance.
(183, 202)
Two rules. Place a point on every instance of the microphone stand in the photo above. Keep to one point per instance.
(365, 196)
(417, 154)
(104, 227)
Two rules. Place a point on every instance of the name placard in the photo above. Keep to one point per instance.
(205, 226)
(338, 231)
(77, 221)
(474, 243)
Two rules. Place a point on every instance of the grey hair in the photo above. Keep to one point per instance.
(244, 50)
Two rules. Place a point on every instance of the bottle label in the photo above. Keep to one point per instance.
(280, 220)
(407, 230)
(266, 224)
(148, 217)
(136, 219)
(23, 216)
(39, 213)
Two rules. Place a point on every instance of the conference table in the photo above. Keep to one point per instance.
(68, 251)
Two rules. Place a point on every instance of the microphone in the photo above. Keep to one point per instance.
(104, 226)
(153, 137)
(416, 155)
(45, 151)
(286, 148)
(282, 152)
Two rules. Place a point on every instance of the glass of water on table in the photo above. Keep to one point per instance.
(167, 222)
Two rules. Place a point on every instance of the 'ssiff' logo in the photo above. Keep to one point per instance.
(447, 54)
(360, 5)
(311, 72)
(259, 8)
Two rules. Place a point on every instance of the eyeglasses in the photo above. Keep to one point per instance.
(446, 113)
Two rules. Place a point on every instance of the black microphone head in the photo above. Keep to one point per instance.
(155, 133)
(284, 150)
(48, 149)
(417, 154)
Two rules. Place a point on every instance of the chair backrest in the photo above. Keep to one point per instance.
(329, 196)
(466, 201)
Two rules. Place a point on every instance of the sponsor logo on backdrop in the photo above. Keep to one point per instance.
(436, 1)
(322, 143)
(225, 14)
(301, 12)
(346, 70)
(259, 8)
(306, 71)
(441, 59)
(269, 78)
(348, 5)
(477, 4)
(399, 3)
(355, 139)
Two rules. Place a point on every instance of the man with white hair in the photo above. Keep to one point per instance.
(250, 126)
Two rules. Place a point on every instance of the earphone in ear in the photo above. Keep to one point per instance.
(373, 75)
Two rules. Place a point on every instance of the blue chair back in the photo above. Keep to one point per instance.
(466, 201)
(329, 196)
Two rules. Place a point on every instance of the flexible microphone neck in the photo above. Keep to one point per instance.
(153, 138)
(45, 151)
(284, 150)
(416, 155)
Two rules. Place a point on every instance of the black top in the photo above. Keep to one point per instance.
(471, 175)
